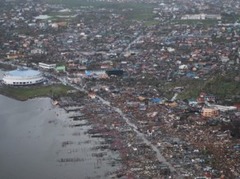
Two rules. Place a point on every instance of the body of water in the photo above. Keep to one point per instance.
(37, 141)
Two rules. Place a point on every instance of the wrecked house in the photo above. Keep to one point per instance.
(210, 112)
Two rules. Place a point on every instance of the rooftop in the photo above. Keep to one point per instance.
(23, 72)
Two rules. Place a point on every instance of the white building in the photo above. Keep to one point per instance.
(47, 66)
(194, 17)
(201, 16)
(23, 77)
(38, 51)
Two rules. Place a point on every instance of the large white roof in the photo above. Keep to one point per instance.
(23, 73)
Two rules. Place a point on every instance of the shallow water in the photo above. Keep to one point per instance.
(35, 137)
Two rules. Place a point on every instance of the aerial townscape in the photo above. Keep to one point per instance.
(157, 80)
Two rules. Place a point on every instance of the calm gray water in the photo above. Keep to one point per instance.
(32, 134)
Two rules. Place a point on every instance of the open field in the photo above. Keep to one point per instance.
(132, 11)
(24, 93)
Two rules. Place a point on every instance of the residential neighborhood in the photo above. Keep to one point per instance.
(162, 71)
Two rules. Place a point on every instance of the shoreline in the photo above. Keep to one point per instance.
(110, 123)
(122, 133)
(109, 116)
(55, 135)
(24, 93)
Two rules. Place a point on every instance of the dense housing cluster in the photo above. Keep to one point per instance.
(172, 67)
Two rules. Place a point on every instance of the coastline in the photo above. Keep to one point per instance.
(121, 134)
(64, 147)
(23, 93)
(110, 132)
(154, 151)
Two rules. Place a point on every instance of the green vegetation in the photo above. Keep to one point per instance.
(132, 10)
(224, 87)
(24, 93)
(61, 13)
(192, 88)
(229, 17)
(100, 4)
(220, 40)
(206, 22)
(151, 22)
(141, 12)
(61, 16)
(6, 66)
